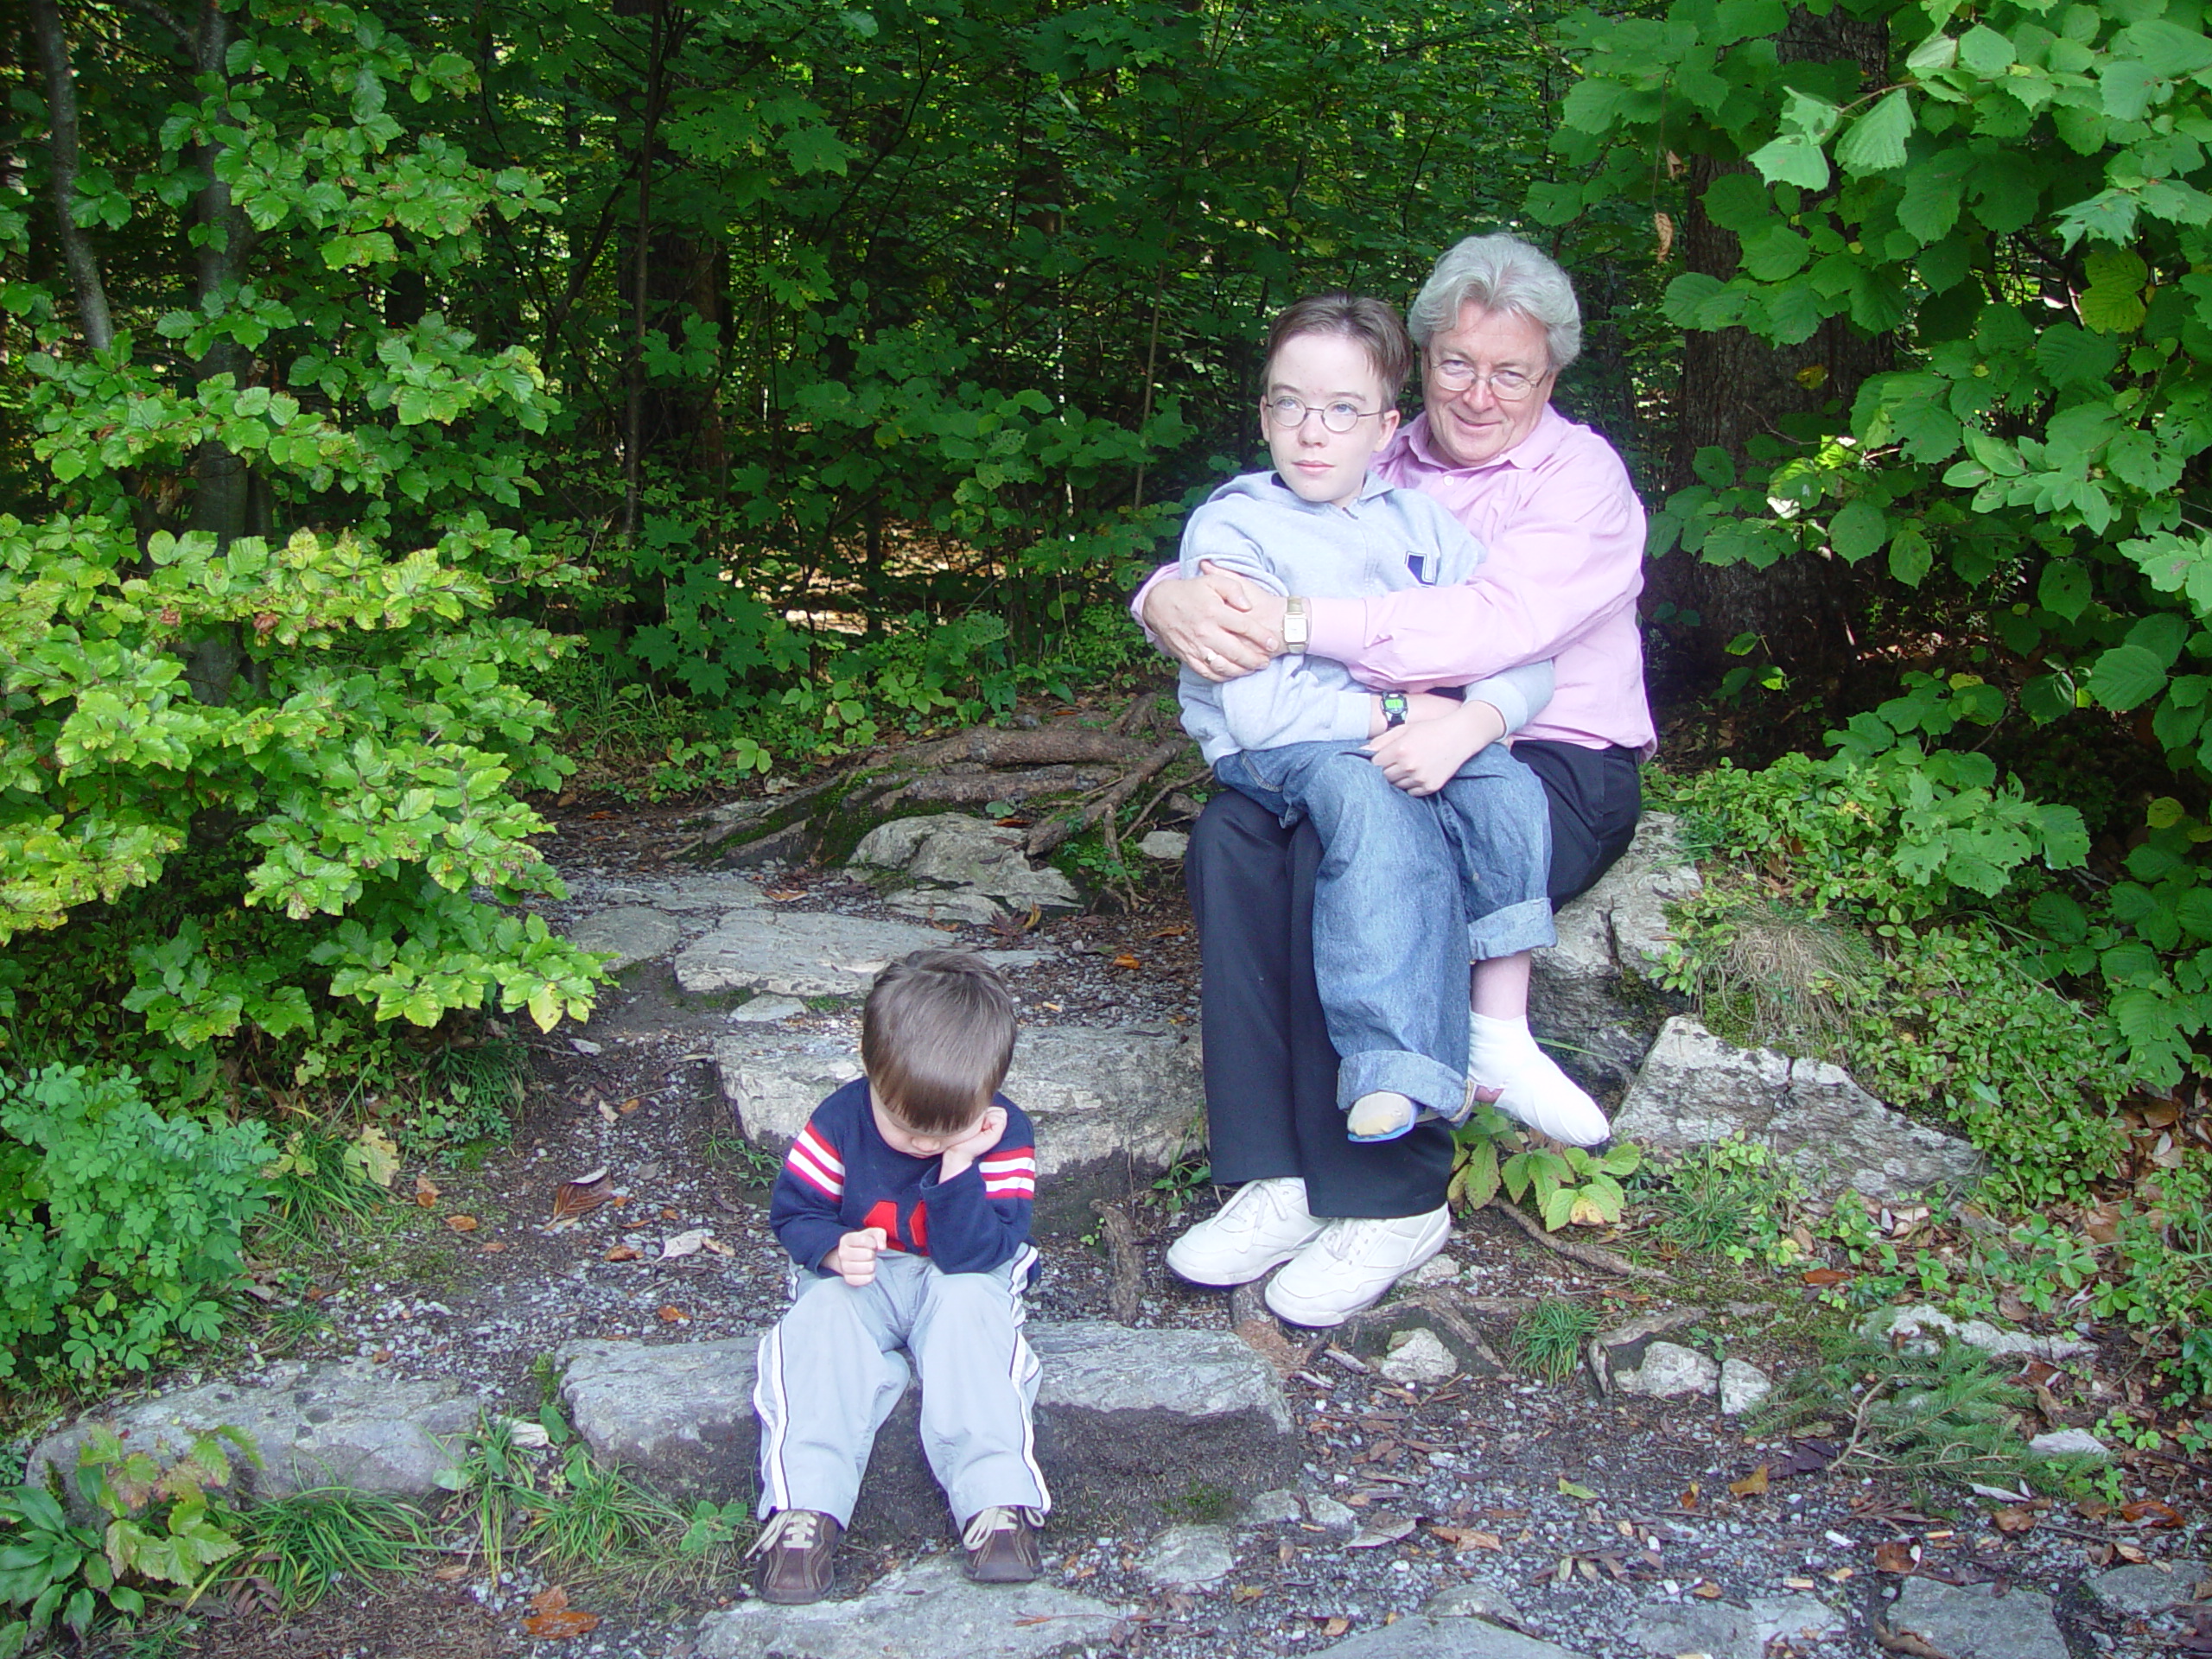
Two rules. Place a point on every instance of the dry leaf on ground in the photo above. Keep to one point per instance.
(673, 1315)
(1897, 1557)
(621, 1253)
(461, 1223)
(1380, 1530)
(683, 1244)
(426, 1193)
(573, 1198)
(1751, 1485)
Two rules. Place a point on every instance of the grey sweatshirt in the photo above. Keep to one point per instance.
(1385, 540)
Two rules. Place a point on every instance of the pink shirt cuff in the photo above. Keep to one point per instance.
(1335, 628)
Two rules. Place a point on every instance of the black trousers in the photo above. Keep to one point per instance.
(1270, 1073)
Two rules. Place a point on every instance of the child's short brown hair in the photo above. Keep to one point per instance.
(1373, 325)
(937, 1037)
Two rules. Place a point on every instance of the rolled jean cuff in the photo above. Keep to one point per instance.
(1525, 926)
(1402, 1072)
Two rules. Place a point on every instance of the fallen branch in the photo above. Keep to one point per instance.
(1590, 1255)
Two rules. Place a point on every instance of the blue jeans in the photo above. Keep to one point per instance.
(1409, 889)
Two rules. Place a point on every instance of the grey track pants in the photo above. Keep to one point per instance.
(830, 1372)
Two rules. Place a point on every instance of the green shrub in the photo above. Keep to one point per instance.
(158, 1531)
(1880, 955)
(119, 1228)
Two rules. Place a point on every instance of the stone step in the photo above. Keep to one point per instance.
(1134, 1426)
(1113, 1107)
(342, 1423)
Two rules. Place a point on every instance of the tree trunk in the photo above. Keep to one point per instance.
(1734, 388)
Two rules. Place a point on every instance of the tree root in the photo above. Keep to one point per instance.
(1590, 1255)
(1047, 837)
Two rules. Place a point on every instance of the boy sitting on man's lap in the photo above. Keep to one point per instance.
(907, 1195)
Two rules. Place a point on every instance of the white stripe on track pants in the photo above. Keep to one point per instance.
(830, 1372)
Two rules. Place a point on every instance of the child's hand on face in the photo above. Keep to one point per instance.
(854, 1260)
(974, 1144)
(1420, 756)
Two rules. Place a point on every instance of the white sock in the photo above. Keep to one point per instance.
(1496, 1049)
(1502, 1054)
(1381, 1116)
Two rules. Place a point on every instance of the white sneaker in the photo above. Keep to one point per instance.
(1545, 1098)
(1353, 1264)
(1265, 1224)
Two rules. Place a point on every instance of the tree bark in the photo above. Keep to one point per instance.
(1735, 387)
(61, 113)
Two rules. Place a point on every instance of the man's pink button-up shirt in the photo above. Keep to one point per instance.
(1565, 534)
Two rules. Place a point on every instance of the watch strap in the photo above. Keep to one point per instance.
(1296, 629)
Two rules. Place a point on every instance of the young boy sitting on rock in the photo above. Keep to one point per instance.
(908, 1198)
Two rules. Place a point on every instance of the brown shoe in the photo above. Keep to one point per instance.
(1001, 1545)
(800, 1546)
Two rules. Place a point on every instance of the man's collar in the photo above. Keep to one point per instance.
(1550, 431)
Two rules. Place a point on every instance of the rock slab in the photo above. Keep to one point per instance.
(1132, 1426)
(2142, 1592)
(1592, 992)
(1694, 1090)
(1188, 1557)
(1925, 1328)
(1743, 1387)
(928, 1610)
(1423, 1637)
(348, 1423)
(1720, 1631)
(1971, 1621)
(630, 932)
(1667, 1370)
(1107, 1104)
(963, 867)
(808, 953)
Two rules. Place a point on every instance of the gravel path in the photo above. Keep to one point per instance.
(1591, 1524)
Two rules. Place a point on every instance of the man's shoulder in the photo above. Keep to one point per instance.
(1568, 445)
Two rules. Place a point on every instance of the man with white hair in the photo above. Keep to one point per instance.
(1552, 502)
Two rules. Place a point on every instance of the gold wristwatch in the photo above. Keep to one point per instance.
(1294, 624)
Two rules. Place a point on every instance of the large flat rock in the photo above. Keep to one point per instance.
(347, 1423)
(809, 953)
(1110, 1105)
(972, 866)
(1131, 1425)
(1974, 1620)
(1423, 1637)
(1694, 1090)
(928, 1611)
(1591, 992)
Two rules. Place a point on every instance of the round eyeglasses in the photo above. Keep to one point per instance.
(1289, 411)
(1507, 385)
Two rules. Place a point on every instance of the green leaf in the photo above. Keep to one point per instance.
(1911, 556)
(1858, 531)
(1875, 142)
(2126, 677)
(1984, 51)
(1792, 161)
(1569, 1489)
(2069, 355)
(2063, 588)
(1929, 206)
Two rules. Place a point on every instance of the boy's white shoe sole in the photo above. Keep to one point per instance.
(1264, 1224)
(1353, 1264)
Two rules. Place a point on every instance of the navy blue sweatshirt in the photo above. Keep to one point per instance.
(840, 1176)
